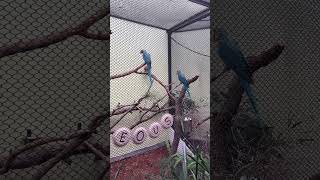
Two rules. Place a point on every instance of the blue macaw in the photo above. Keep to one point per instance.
(182, 78)
(234, 59)
(147, 59)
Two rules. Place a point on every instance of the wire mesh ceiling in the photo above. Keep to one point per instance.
(163, 14)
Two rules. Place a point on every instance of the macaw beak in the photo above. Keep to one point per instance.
(141, 51)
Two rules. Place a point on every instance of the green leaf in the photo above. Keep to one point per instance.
(191, 165)
(118, 172)
(176, 163)
(193, 175)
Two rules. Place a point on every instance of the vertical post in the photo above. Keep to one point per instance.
(170, 69)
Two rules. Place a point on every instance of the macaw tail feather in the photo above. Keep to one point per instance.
(252, 98)
(150, 75)
(150, 78)
(188, 91)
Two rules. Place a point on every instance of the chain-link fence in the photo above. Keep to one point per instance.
(54, 78)
(163, 29)
(191, 54)
(286, 90)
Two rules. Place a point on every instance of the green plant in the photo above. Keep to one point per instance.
(198, 166)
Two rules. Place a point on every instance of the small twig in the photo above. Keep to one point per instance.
(130, 110)
(203, 121)
(144, 120)
(96, 151)
(119, 111)
(155, 103)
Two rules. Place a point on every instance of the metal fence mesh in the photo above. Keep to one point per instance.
(191, 55)
(132, 32)
(127, 40)
(52, 82)
(286, 89)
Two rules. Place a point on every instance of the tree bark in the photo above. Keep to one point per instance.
(219, 147)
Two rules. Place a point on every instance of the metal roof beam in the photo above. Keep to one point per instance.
(137, 22)
(203, 14)
(201, 2)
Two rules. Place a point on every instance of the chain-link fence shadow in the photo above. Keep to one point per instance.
(286, 89)
(54, 78)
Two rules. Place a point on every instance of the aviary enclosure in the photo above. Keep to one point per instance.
(281, 42)
(176, 35)
(55, 110)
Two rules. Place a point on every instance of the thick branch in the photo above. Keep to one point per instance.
(74, 143)
(39, 155)
(58, 157)
(178, 117)
(221, 124)
(12, 155)
(81, 29)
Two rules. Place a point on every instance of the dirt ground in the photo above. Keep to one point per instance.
(141, 167)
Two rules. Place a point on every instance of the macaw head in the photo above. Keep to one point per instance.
(142, 51)
(178, 72)
(222, 35)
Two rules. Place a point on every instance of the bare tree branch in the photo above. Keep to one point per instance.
(130, 110)
(96, 151)
(40, 154)
(36, 143)
(150, 117)
(127, 73)
(95, 123)
(56, 37)
(60, 156)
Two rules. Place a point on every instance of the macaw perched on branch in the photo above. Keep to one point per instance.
(182, 78)
(147, 59)
(234, 59)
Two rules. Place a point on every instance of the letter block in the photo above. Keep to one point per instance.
(121, 137)
(155, 130)
(167, 121)
(139, 135)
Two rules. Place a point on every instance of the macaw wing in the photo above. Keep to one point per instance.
(228, 55)
(242, 69)
(183, 79)
(236, 61)
(147, 57)
(224, 37)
